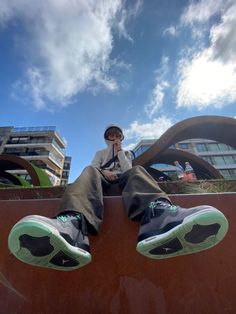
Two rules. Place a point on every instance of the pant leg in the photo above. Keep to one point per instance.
(85, 196)
(138, 190)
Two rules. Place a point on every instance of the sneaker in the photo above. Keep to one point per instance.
(167, 230)
(59, 243)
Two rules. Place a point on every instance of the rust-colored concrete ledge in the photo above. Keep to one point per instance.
(119, 280)
(18, 193)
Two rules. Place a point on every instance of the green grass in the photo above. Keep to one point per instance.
(201, 186)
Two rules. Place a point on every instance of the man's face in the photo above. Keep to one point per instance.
(113, 134)
(114, 137)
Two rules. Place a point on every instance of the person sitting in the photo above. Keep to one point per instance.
(166, 230)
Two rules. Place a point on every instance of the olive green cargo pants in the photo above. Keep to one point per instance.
(85, 195)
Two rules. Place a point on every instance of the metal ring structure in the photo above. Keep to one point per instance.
(216, 128)
(11, 162)
(9, 177)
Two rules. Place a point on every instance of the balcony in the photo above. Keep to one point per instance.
(47, 143)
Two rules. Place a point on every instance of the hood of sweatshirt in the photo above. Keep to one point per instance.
(110, 126)
(109, 152)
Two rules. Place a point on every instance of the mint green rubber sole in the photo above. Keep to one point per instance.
(71, 257)
(180, 239)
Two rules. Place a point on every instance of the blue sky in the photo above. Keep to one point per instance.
(145, 65)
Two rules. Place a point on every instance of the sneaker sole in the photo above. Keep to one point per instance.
(196, 233)
(56, 246)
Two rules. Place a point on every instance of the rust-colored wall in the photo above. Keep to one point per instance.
(119, 280)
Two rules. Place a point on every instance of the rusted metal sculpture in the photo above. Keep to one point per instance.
(217, 128)
(221, 129)
(202, 168)
(11, 162)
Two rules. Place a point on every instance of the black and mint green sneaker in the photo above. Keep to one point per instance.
(167, 230)
(60, 243)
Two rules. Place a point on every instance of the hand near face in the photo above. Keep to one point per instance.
(117, 145)
(116, 139)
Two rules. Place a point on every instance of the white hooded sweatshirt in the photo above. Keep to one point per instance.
(122, 164)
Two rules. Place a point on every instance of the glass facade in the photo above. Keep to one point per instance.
(221, 160)
(212, 147)
(183, 145)
(141, 150)
(219, 155)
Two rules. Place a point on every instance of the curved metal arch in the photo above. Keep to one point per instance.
(157, 174)
(11, 162)
(217, 128)
(202, 168)
(10, 177)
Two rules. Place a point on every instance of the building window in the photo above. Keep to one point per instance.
(23, 139)
(208, 159)
(228, 173)
(183, 145)
(229, 160)
(15, 151)
(230, 148)
(225, 173)
(14, 140)
(218, 160)
(213, 147)
(201, 147)
(223, 147)
(65, 174)
(141, 150)
(232, 172)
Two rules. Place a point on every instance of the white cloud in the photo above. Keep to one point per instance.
(205, 82)
(68, 44)
(201, 11)
(208, 78)
(223, 37)
(172, 31)
(157, 98)
(153, 129)
(126, 15)
(158, 92)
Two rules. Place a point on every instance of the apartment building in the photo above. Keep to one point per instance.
(220, 156)
(66, 170)
(42, 146)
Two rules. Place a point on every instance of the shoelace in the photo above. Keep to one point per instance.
(152, 211)
(82, 225)
(158, 205)
(156, 209)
